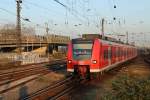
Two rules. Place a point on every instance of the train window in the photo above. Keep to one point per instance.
(121, 52)
(114, 53)
(109, 54)
(124, 52)
(128, 53)
(82, 51)
(118, 52)
(82, 46)
(105, 54)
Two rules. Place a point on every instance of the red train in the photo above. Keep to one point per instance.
(87, 56)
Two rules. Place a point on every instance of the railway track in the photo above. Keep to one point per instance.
(55, 91)
(12, 79)
(33, 69)
(14, 75)
(49, 91)
(11, 85)
(50, 63)
(59, 90)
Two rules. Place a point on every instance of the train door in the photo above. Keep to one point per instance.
(117, 54)
(101, 55)
(126, 53)
(121, 53)
(104, 55)
(113, 54)
(110, 55)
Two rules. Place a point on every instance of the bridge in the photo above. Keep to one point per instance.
(8, 41)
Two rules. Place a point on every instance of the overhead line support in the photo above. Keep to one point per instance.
(18, 28)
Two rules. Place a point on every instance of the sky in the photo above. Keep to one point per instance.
(83, 16)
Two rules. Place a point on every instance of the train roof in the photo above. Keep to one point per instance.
(91, 37)
(81, 40)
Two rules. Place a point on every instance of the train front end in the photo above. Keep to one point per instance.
(83, 57)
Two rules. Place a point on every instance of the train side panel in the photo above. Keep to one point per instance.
(69, 58)
(95, 59)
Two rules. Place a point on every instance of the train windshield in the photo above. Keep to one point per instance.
(82, 51)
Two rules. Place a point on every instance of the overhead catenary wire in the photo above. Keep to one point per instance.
(73, 11)
(14, 14)
(34, 4)
(42, 7)
(24, 19)
(5, 10)
(28, 8)
(47, 9)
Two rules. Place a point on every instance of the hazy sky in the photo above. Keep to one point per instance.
(82, 16)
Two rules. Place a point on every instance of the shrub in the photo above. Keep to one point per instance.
(129, 88)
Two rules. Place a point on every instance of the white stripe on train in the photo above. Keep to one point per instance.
(105, 68)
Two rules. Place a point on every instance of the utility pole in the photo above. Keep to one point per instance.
(103, 28)
(47, 30)
(127, 36)
(18, 28)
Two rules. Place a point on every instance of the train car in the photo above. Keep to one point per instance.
(88, 56)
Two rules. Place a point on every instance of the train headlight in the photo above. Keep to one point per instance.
(69, 61)
(94, 61)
